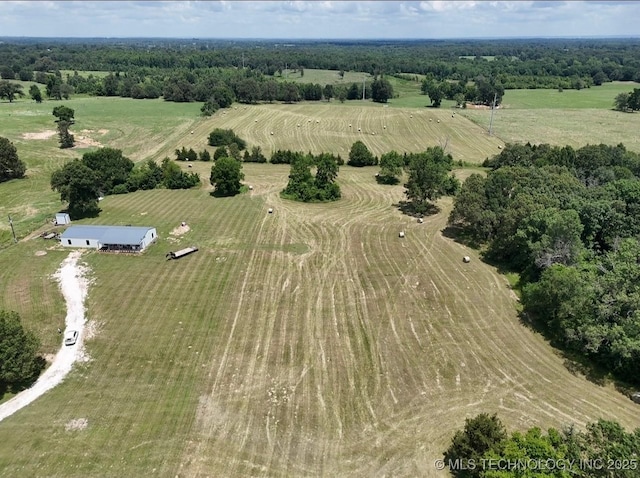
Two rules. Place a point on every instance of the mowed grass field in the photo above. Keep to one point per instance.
(153, 129)
(308, 342)
(569, 117)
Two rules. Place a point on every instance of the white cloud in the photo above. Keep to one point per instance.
(320, 19)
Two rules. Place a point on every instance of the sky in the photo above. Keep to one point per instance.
(320, 19)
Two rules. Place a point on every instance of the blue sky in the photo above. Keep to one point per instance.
(320, 19)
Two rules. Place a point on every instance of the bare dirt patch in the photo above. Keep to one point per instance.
(76, 424)
(86, 142)
(42, 135)
(41, 253)
(180, 230)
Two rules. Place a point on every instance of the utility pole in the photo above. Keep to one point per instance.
(12, 230)
(493, 107)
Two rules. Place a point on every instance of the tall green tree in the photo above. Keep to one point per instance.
(391, 164)
(428, 178)
(381, 90)
(226, 177)
(65, 119)
(10, 91)
(110, 166)
(359, 155)
(35, 93)
(79, 185)
(11, 167)
(482, 434)
(20, 362)
(434, 90)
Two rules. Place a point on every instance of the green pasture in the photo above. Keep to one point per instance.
(308, 341)
(596, 97)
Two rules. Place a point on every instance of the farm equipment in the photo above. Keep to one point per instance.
(181, 253)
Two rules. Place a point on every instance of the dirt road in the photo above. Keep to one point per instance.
(74, 285)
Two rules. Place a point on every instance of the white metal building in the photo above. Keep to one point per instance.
(109, 238)
(62, 218)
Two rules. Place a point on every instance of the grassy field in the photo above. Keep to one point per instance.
(596, 97)
(308, 342)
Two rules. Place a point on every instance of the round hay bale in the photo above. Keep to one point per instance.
(317, 121)
(270, 210)
(372, 133)
(250, 188)
(384, 127)
(359, 129)
(298, 125)
(255, 121)
(410, 116)
(438, 121)
(272, 133)
(192, 132)
(401, 234)
(189, 166)
(499, 147)
(349, 125)
(420, 220)
(466, 259)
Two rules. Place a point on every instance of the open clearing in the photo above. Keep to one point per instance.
(325, 128)
(311, 341)
(308, 342)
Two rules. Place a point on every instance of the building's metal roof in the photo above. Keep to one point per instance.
(126, 235)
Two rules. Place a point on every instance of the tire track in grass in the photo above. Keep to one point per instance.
(361, 399)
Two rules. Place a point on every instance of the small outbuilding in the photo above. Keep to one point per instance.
(110, 238)
(62, 218)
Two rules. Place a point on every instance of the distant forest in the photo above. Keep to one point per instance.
(250, 71)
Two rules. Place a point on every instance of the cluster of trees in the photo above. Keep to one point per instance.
(481, 91)
(226, 137)
(569, 222)
(20, 362)
(429, 179)
(628, 101)
(525, 63)
(11, 167)
(106, 171)
(304, 186)
(604, 449)
(190, 154)
(209, 72)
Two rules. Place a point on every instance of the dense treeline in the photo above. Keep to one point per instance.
(218, 73)
(569, 221)
(483, 449)
(519, 61)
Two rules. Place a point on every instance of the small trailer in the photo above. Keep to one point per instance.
(181, 253)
